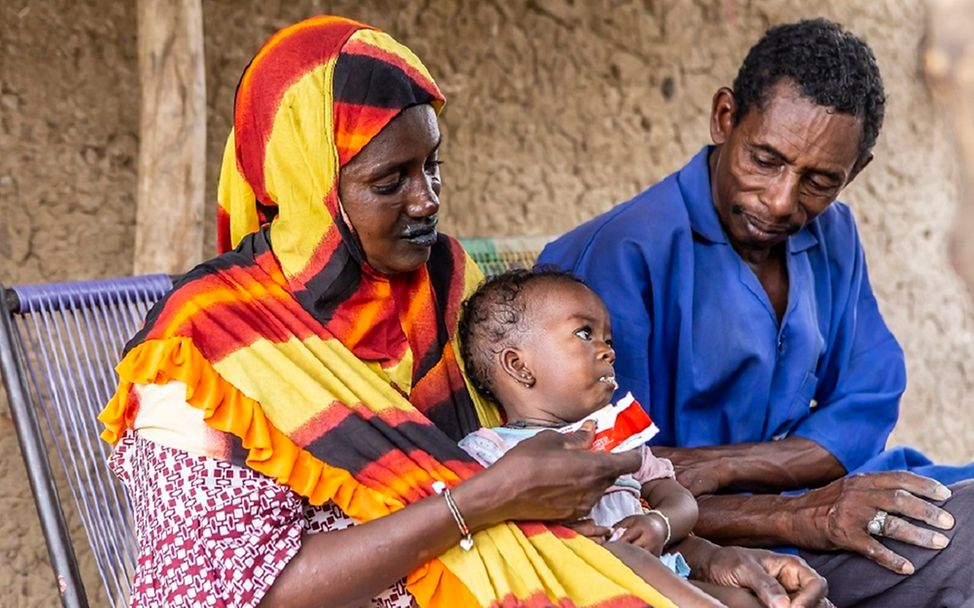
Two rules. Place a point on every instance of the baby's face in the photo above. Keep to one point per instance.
(568, 348)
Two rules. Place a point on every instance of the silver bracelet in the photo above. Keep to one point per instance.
(466, 539)
(666, 522)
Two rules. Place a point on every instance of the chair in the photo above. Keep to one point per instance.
(59, 344)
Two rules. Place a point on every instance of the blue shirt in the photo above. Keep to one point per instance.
(699, 344)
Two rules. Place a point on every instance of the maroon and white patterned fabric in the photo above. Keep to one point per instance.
(214, 534)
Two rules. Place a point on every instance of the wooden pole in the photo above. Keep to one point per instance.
(948, 64)
(172, 151)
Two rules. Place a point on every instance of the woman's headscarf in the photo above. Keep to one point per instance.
(338, 382)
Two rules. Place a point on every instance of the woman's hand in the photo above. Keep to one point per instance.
(779, 581)
(835, 517)
(589, 529)
(551, 476)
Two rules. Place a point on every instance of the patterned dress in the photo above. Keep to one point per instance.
(212, 533)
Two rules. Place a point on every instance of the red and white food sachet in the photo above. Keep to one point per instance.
(620, 426)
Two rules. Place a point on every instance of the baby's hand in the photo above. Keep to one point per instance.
(646, 531)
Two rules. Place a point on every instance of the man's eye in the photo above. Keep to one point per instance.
(585, 333)
(765, 162)
(820, 187)
(433, 166)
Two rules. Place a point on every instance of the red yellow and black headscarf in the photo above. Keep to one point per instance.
(338, 382)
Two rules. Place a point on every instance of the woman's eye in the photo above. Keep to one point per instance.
(388, 187)
(585, 333)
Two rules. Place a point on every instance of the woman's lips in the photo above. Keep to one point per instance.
(423, 236)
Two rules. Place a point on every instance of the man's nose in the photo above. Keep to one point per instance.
(607, 353)
(780, 197)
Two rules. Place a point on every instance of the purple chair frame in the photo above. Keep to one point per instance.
(59, 343)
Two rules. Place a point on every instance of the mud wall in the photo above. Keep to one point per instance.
(557, 110)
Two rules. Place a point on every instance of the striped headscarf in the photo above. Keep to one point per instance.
(338, 382)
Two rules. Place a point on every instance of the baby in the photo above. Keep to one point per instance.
(539, 344)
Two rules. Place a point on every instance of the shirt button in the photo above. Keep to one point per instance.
(781, 345)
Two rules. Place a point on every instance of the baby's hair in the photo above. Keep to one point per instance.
(493, 318)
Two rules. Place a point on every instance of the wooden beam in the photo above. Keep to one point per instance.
(948, 64)
(172, 150)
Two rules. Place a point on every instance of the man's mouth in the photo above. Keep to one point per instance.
(609, 379)
(764, 228)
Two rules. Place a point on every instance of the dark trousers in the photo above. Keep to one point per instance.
(943, 579)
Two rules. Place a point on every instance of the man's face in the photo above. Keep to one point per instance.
(780, 166)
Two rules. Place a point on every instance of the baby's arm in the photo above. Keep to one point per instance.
(675, 502)
(677, 507)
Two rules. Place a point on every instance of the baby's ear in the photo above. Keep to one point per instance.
(514, 366)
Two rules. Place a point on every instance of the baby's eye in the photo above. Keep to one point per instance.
(608, 342)
(585, 333)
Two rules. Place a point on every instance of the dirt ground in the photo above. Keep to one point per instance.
(557, 109)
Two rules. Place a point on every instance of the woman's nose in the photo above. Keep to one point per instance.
(425, 201)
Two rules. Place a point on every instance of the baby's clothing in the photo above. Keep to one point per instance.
(620, 500)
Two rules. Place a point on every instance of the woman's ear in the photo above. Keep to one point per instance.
(516, 368)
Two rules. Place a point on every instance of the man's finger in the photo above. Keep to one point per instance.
(911, 482)
(811, 591)
(885, 557)
(905, 503)
(768, 590)
(904, 531)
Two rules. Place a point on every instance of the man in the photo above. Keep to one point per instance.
(744, 320)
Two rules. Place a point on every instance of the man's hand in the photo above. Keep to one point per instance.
(835, 517)
(779, 581)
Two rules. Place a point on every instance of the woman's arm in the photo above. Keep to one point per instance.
(548, 477)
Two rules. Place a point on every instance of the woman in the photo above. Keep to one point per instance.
(307, 381)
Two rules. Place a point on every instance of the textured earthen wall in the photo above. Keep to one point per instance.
(556, 111)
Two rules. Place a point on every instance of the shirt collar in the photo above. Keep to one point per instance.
(694, 181)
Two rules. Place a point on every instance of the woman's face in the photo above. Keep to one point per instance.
(391, 192)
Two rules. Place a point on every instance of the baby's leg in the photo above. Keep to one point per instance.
(651, 570)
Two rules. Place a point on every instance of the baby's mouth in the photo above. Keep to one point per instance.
(610, 379)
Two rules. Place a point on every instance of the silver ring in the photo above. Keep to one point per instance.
(877, 525)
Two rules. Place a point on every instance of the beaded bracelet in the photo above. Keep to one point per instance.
(666, 522)
(466, 540)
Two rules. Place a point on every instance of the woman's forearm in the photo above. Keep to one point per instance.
(350, 566)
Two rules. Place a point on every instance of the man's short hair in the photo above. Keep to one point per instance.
(829, 65)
